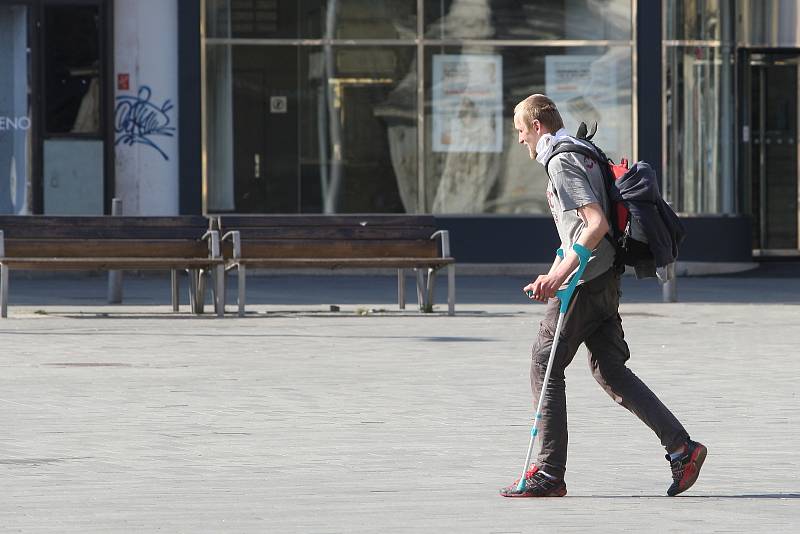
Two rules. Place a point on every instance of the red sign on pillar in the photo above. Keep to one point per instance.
(123, 82)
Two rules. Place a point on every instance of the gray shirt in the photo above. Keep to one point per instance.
(576, 181)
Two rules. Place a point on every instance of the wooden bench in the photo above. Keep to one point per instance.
(342, 241)
(51, 243)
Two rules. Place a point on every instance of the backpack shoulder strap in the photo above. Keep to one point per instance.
(569, 146)
(602, 160)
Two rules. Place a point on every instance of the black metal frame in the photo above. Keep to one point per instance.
(190, 140)
(648, 85)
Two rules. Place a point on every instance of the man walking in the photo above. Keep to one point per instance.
(579, 203)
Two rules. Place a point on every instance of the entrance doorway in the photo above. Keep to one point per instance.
(771, 150)
(55, 154)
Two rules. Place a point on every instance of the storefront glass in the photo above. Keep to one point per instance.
(473, 163)
(312, 19)
(15, 112)
(699, 161)
(694, 19)
(321, 112)
(529, 20)
(294, 143)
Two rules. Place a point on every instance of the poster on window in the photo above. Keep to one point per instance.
(585, 89)
(467, 103)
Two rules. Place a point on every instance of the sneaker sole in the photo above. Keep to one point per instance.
(559, 493)
(702, 451)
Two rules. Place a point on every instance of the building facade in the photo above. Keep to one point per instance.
(402, 106)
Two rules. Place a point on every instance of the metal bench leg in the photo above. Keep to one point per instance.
(200, 298)
(4, 291)
(192, 290)
(451, 289)
(431, 280)
(241, 274)
(219, 290)
(420, 289)
(669, 292)
(197, 290)
(401, 288)
(175, 290)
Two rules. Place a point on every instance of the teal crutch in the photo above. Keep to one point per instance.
(564, 295)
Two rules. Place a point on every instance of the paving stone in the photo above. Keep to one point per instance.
(299, 419)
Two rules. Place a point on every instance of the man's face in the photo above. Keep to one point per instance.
(528, 136)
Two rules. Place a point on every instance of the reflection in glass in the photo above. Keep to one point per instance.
(536, 19)
(310, 19)
(699, 114)
(15, 112)
(589, 84)
(311, 129)
(331, 128)
(72, 69)
(219, 127)
(694, 20)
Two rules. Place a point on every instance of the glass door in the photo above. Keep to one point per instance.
(771, 154)
(73, 97)
(16, 111)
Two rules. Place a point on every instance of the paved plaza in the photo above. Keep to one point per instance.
(298, 418)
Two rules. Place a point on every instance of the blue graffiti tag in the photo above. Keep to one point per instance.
(137, 120)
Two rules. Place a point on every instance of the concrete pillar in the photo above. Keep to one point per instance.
(146, 106)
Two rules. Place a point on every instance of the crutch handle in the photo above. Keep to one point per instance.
(565, 295)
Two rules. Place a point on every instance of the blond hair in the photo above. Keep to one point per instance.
(541, 108)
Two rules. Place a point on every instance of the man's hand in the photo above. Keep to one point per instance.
(545, 287)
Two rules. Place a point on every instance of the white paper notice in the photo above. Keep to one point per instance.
(467, 103)
(581, 87)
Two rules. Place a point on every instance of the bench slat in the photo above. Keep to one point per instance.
(66, 264)
(131, 232)
(339, 249)
(38, 248)
(103, 227)
(337, 233)
(102, 221)
(235, 222)
(404, 263)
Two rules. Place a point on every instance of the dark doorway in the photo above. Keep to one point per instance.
(770, 152)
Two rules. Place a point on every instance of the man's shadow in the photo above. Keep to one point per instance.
(690, 496)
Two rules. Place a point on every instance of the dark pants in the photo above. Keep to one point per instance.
(592, 318)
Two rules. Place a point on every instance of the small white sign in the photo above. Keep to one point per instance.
(467, 103)
(277, 104)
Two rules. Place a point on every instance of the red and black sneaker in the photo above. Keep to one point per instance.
(537, 484)
(686, 468)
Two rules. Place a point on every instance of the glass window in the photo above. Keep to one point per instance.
(332, 126)
(310, 19)
(699, 131)
(72, 69)
(694, 19)
(536, 19)
(473, 161)
(307, 129)
(15, 112)
(699, 106)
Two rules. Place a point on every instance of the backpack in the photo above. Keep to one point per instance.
(645, 233)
